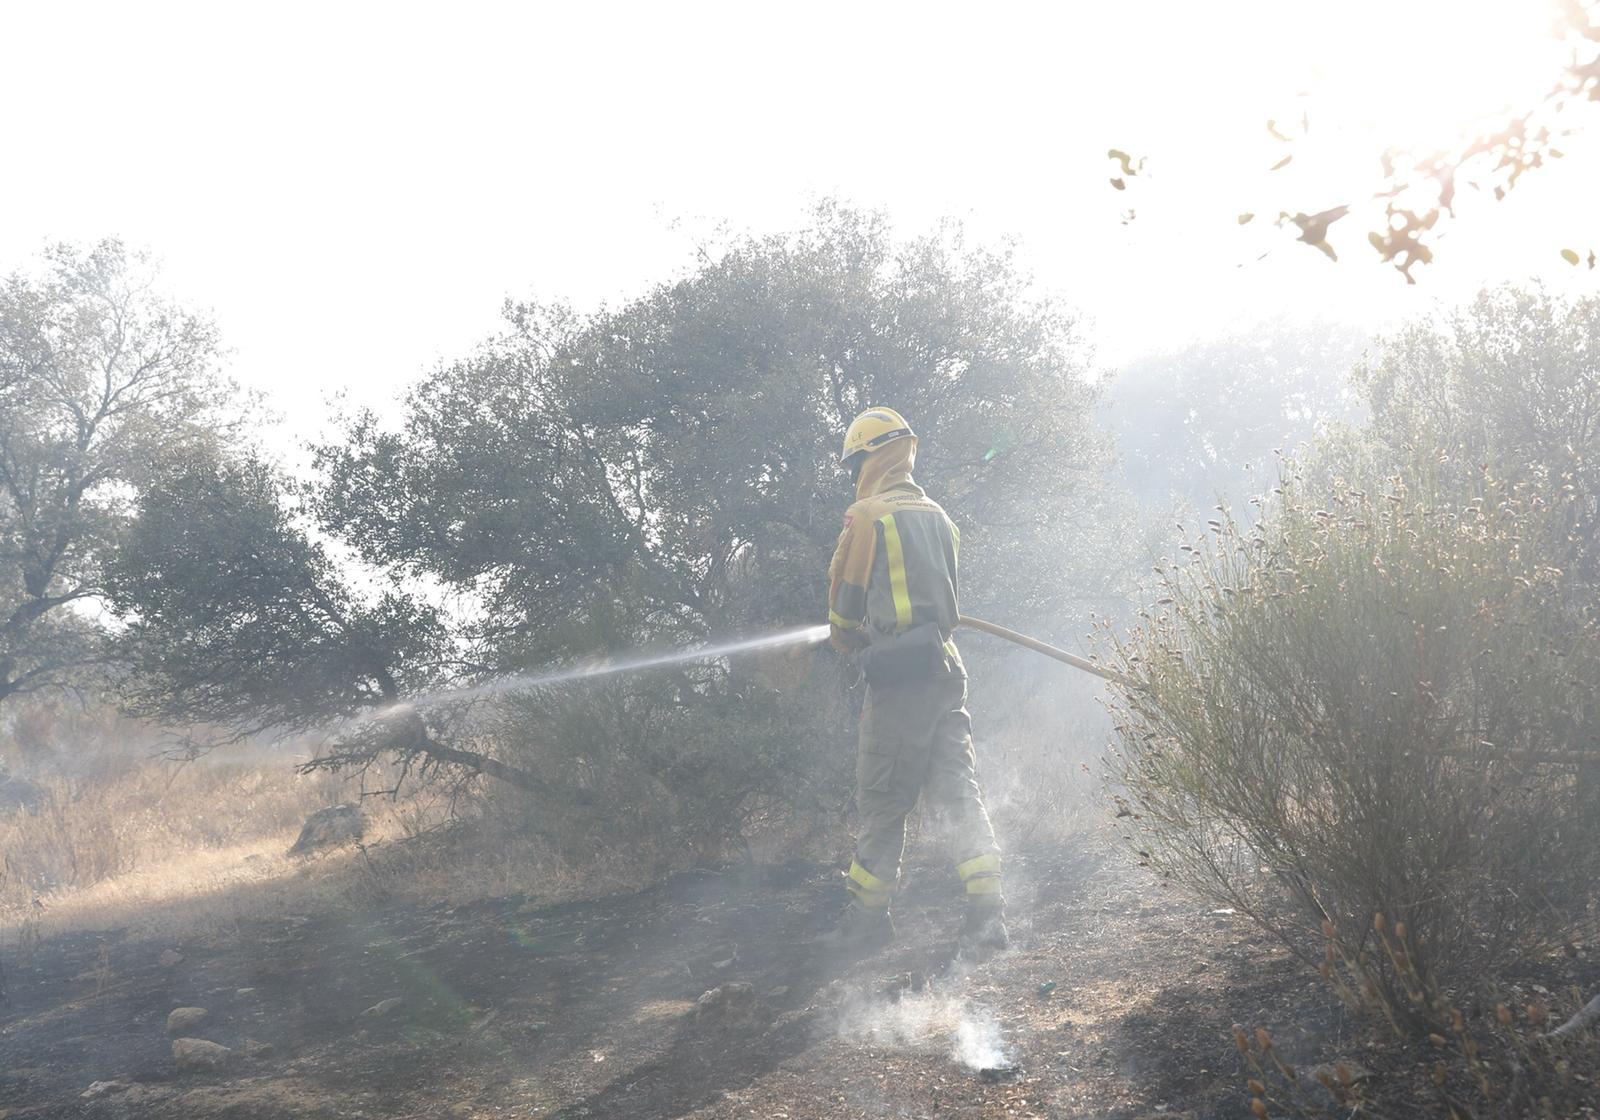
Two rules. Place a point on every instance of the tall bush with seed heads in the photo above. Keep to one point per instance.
(1368, 702)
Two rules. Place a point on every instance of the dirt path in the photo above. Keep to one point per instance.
(588, 1009)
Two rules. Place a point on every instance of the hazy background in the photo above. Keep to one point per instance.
(1331, 684)
(353, 188)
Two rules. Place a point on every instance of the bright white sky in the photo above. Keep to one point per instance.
(354, 188)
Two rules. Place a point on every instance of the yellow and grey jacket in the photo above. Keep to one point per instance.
(895, 564)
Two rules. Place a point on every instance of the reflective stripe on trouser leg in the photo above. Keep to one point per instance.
(868, 889)
(981, 874)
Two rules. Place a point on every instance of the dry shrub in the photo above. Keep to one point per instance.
(1504, 1055)
(1369, 703)
(658, 768)
(195, 850)
(682, 765)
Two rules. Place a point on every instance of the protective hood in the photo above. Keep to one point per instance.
(889, 468)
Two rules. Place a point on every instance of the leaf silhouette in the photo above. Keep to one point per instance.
(1314, 228)
(1418, 186)
(1402, 237)
(1130, 166)
(1245, 218)
(1119, 184)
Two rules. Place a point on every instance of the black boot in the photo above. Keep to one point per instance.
(859, 930)
(983, 928)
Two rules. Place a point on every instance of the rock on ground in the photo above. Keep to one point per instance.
(729, 1004)
(103, 1089)
(328, 828)
(183, 1020)
(197, 1053)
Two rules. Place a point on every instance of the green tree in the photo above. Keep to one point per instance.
(651, 476)
(664, 473)
(239, 624)
(101, 381)
(667, 469)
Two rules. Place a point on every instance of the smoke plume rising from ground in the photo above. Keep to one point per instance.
(938, 1018)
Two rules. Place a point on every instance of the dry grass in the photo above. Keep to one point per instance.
(109, 818)
(193, 851)
(176, 847)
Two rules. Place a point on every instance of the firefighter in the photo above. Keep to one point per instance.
(892, 598)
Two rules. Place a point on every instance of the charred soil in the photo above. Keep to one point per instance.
(1117, 1000)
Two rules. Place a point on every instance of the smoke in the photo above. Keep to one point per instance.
(977, 1042)
(929, 1021)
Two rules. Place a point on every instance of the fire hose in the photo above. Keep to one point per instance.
(1047, 649)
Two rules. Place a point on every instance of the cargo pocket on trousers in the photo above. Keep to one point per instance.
(876, 767)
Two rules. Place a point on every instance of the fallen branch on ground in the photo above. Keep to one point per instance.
(1586, 1017)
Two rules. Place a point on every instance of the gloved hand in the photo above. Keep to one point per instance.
(847, 641)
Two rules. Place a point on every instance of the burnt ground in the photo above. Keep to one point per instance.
(506, 1008)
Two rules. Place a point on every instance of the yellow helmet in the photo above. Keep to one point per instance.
(871, 430)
